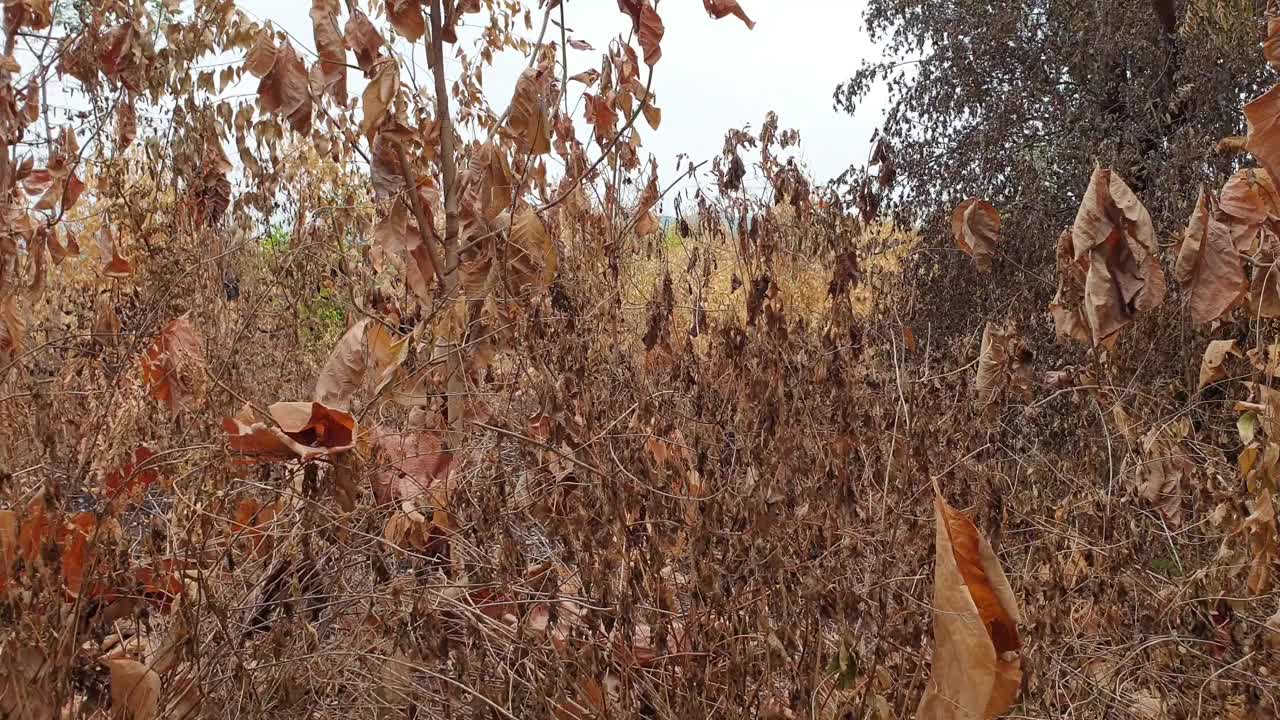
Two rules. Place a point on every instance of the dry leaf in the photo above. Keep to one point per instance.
(331, 65)
(1208, 264)
(647, 25)
(1114, 239)
(285, 89)
(406, 18)
(378, 95)
(135, 689)
(1211, 370)
(722, 8)
(1164, 470)
(528, 117)
(179, 346)
(305, 430)
(976, 662)
(1004, 366)
(1263, 116)
(363, 38)
(975, 224)
(367, 354)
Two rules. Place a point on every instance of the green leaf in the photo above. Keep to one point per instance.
(1247, 426)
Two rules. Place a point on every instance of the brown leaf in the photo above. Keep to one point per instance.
(1208, 264)
(332, 61)
(305, 430)
(135, 689)
(13, 327)
(262, 56)
(587, 77)
(1165, 468)
(363, 38)
(975, 224)
(406, 18)
(378, 95)
(285, 90)
(1261, 530)
(1114, 239)
(976, 663)
(126, 124)
(1263, 116)
(411, 464)
(647, 25)
(367, 355)
(179, 346)
(532, 256)
(1215, 354)
(721, 8)
(528, 117)
(1004, 366)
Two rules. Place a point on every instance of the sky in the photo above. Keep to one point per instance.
(713, 75)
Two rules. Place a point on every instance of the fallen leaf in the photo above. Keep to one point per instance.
(976, 662)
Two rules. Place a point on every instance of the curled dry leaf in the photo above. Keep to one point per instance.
(126, 124)
(331, 65)
(262, 55)
(304, 430)
(178, 347)
(723, 8)
(135, 689)
(285, 90)
(1211, 370)
(1262, 532)
(1208, 264)
(1263, 139)
(1114, 240)
(532, 258)
(975, 224)
(1164, 470)
(406, 18)
(976, 663)
(1271, 47)
(13, 327)
(368, 354)
(364, 39)
(409, 465)
(378, 95)
(647, 25)
(528, 118)
(1004, 366)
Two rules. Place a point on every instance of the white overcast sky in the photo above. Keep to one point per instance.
(713, 75)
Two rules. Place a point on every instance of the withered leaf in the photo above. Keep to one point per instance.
(332, 61)
(363, 38)
(379, 94)
(1271, 47)
(178, 347)
(975, 224)
(976, 664)
(1165, 468)
(1003, 366)
(1211, 370)
(411, 464)
(1114, 239)
(285, 90)
(647, 25)
(126, 124)
(528, 117)
(367, 354)
(262, 56)
(722, 8)
(135, 689)
(406, 18)
(533, 255)
(1208, 263)
(1263, 116)
(305, 430)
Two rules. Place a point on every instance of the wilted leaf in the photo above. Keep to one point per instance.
(332, 61)
(1271, 48)
(1211, 370)
(647, 25)
(1263, 116)
(411, 464)
(976, 666)
(1004, 366)
(1261, 530)
(378, 95)
(367, 354)
(406, 18)
(135, 689)
(533, 254)
(124, 479)
(13, 327)
(528, 118)
(262, 56)
(126, 124)
(721, 8)
(305, 430)
(975, 224)
(362, 37)
(1114, 239)
(179, 346)
(1208, 264)
(1164, 470)
(285, 90)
